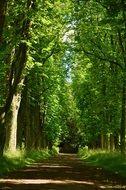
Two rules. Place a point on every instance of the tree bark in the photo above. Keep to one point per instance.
(112, 146)
(3, 5)
(106, 142)
(17, 67)
(11, 124)
(116, 140)
(2, 133)
(123, 119)
(122, 45)
(102, 141)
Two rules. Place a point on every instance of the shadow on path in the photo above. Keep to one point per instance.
(64, 172)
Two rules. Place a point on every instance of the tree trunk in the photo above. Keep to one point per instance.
(27, 117)
(38, 128)
(122, 45)
(3, 5)
(29, 143)
(116, 141)
(44, 141)
(106, 142)
(102, 141)
(2, 133)
(29, 132)
(123, 120)
(112, 146)
(11, 124)
(17, 68)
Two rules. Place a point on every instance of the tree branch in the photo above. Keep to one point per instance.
(102, 58)
(98, 1)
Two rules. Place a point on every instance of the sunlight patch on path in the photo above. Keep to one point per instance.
(50, 181)
(43, 181)
(46, 167)
(55, 166)
(112, 187)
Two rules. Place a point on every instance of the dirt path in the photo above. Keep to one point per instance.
(65, 172)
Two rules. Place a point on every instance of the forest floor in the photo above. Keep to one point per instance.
(63, 172)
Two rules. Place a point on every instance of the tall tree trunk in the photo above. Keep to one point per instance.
(102, 140)
(123, 120)
(11, 124)
(20, 129)
(29, 143)
(38, 128)
(14, 97)
(106, 142)
(3, 5)
(122, 45)
(17, 68)
(2, 133)
(25, 131)
(23, 117)
(116, 140)
(112, 145)
(14, 81)
(44, 142)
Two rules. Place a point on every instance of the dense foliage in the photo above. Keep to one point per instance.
(62, 74)
(100, 67)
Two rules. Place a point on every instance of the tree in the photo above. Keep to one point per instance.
(100, 37)
(3, 5)
(17, 66)
(44, 77)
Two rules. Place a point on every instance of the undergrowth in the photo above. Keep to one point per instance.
(110, 161)
(13, 161)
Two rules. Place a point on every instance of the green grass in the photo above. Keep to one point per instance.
(13, 161)
(110, 161)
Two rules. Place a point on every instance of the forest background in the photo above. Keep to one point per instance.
(62, 75)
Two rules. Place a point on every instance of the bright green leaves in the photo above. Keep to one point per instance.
(97, 82)
(46, 71)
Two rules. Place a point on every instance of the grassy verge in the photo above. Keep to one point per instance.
(13, 161)
(113, 162)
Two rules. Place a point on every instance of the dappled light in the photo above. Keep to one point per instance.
(62, 94)
(56, 182)
(113, 187)
(61, 172)
(43, 181)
